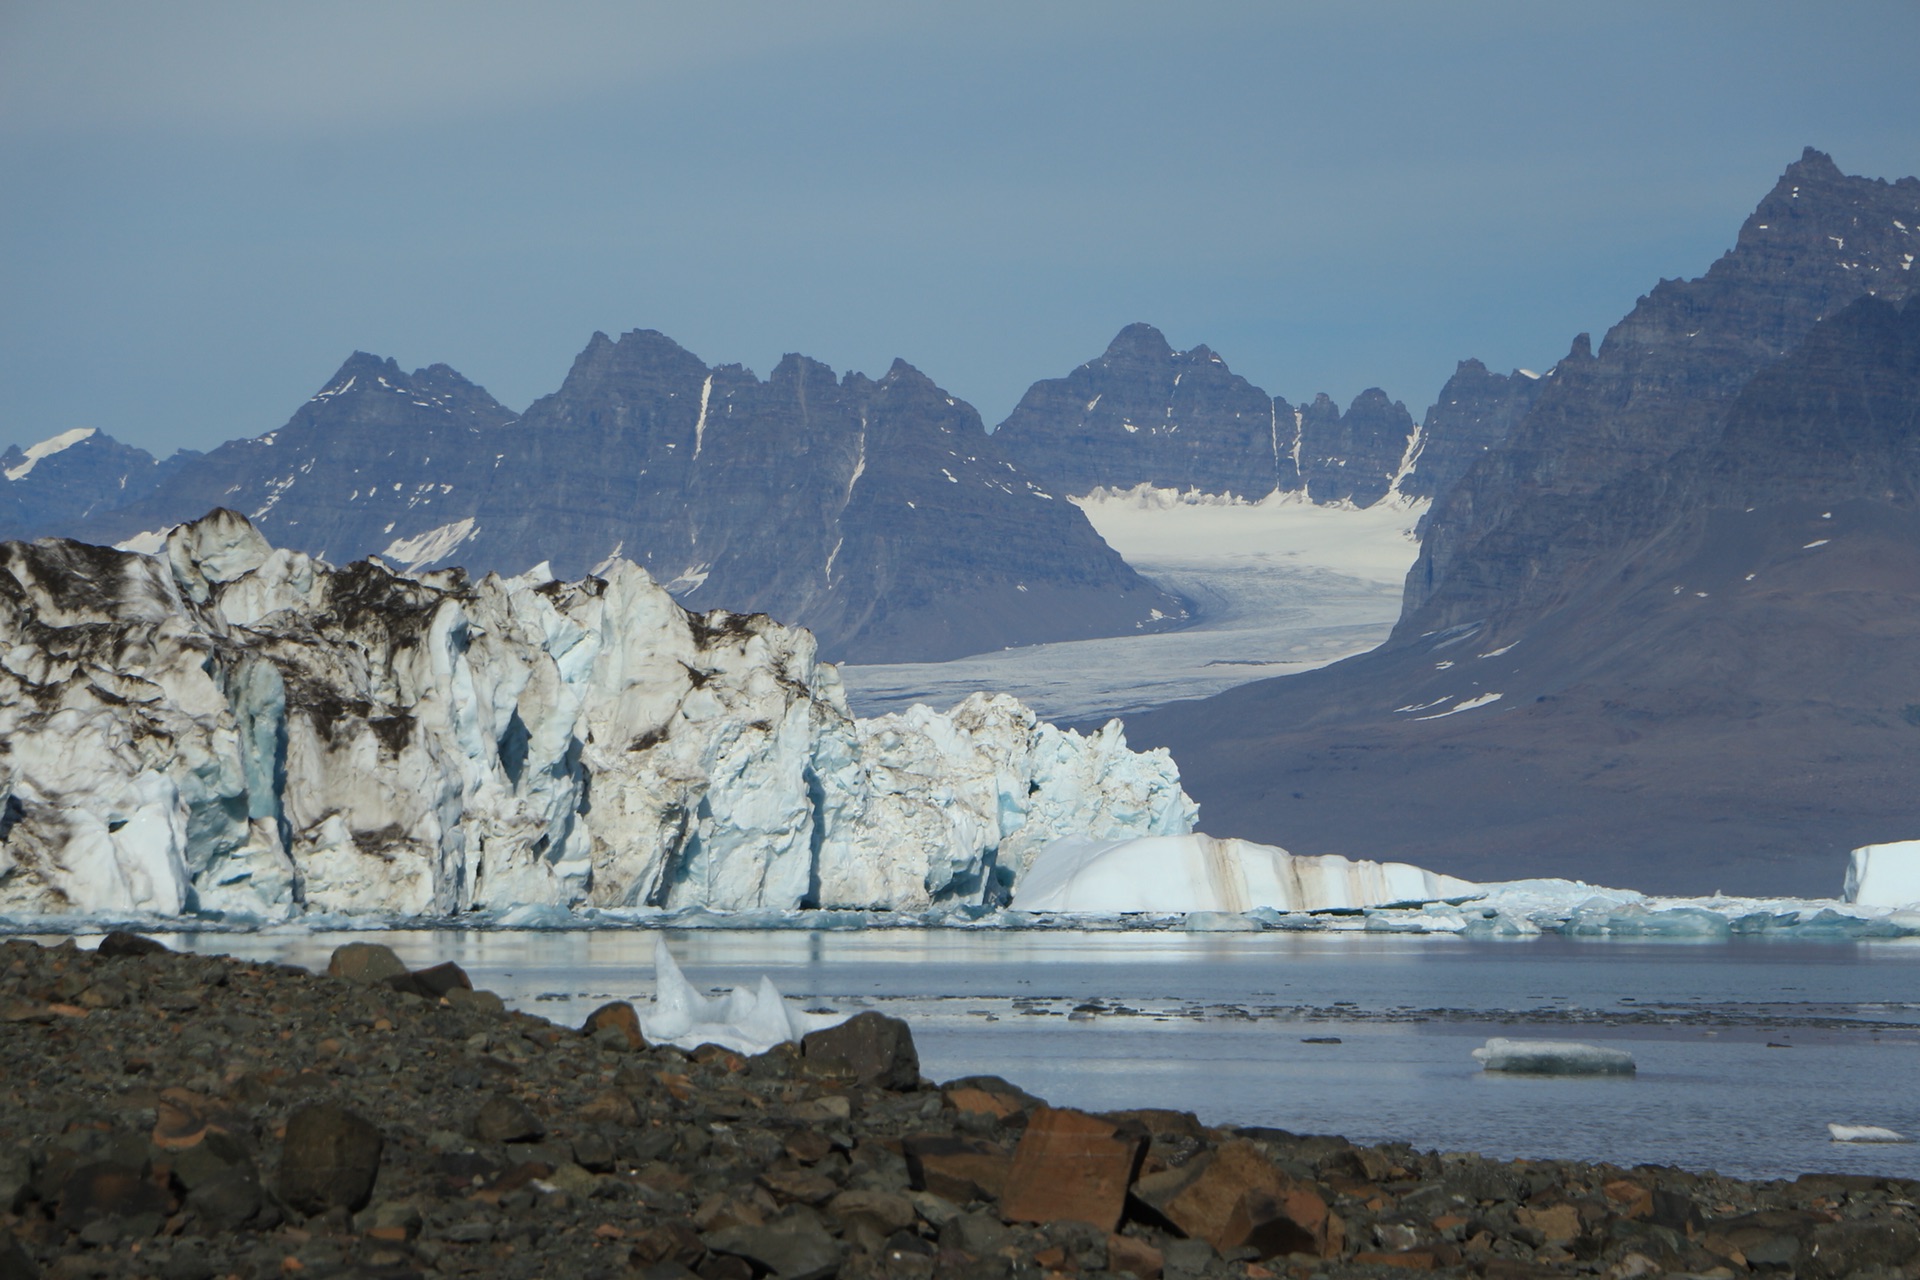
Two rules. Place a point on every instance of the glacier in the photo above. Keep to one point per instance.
(246, 733)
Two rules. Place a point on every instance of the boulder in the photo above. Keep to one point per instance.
(618, 1016)
(120, 943)
(1071, 1167)
(958, 1169)
(795, 1250)
(871, 1047)
(503, 1118)
(1237, 1198)
(367, 962)
(330, 1158)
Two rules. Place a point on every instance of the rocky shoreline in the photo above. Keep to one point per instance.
(188, 1117)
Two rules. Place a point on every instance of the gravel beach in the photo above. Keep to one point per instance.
(189, 1117)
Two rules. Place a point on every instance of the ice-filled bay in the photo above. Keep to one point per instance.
(1747, 1050)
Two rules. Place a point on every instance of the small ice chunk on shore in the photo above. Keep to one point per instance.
(1864, 1133)
(1553, 1058)
(749, 1022)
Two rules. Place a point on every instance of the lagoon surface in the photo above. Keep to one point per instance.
(1746, 1050)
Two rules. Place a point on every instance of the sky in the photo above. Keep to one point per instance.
(206, 206)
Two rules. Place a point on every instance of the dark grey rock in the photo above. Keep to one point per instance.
(870, 1047)
(790, 1251)
(119, 943)
(228, 1200)
(504, 1118)
(330, 1158)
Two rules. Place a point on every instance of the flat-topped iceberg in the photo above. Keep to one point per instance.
(1884, 875)
(1864, 1133)
(1198, 873)
(1553, 1058)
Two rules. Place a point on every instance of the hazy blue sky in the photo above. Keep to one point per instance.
(206, 206)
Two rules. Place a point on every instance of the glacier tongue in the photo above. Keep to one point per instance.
(225, 726)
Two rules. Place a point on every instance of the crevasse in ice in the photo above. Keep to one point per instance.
(226, 727)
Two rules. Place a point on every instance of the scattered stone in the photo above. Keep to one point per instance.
(145, 1112)
(330, 1158)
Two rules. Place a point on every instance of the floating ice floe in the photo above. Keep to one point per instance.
(1864, 1133)
(1553, 1058)
(744, 1021)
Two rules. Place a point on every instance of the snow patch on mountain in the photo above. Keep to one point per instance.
(46, 449)
(226, 727)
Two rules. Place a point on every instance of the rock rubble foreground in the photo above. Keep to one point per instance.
(188, 1117)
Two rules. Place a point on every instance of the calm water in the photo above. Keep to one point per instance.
(1746, 1051)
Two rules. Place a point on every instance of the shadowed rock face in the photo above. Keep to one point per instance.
(1144, 413)
(877, 513)
(1715, 684)
(1661, 383)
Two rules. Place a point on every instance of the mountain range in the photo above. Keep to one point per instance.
(878, 513)
(1666, 632)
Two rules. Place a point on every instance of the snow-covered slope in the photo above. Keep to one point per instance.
(226, 727)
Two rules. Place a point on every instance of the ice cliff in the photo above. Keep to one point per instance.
(226, 727)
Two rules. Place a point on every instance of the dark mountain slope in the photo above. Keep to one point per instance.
(878, 513)
(1726, 695)
(1660, 383)
(1143, 413)
(70, 476)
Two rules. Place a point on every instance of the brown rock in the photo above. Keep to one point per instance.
(439, 979)
(610, 1107)
(808, 1146)
(802, 1185)
(1124, 1253)
(870, 1047)
(504, 1118)
(1070, 1166)
(1235, 1198)
(370, 962)
(108, 1190)
(1559, 1223)
(881, 1211)
(621, 1017)
(330, 1158)
(957, 1169)
(1411, 1260)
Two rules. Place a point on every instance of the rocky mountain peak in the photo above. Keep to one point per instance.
(1139, 342)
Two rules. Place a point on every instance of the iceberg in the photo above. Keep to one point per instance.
(1864, 1133)
(1884, 875)
(1553, 1058)
(1198, 873)
(749, 1022)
